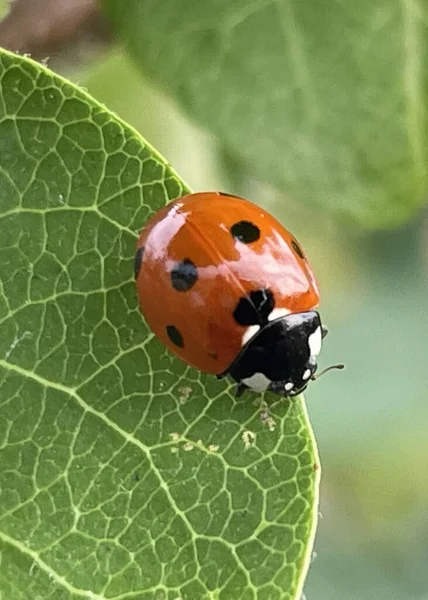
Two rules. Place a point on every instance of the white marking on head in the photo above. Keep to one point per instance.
(250, 333)
(288, 386)
(306, 374)
(257, 382)
(277, 313)
(315, 342)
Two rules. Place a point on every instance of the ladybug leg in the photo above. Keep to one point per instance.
(219, 376)
(324, 331)
(240, 389)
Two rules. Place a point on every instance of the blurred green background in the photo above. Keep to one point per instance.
(371, 419)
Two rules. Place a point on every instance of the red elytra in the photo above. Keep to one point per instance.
(205, 264)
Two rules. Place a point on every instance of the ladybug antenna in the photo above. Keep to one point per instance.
(330, 368)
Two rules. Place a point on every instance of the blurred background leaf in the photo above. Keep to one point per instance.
(325, 100)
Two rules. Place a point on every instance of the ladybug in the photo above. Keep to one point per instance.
(230, 291)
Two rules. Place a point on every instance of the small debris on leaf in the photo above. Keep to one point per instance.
(249, 439)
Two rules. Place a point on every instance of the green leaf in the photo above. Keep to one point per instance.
(123, 474)
(325, 100)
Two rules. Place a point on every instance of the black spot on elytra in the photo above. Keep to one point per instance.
(297, 249)
(245, 231)
(255, 308)
(138, 260)
(175, 336)
(184, 275)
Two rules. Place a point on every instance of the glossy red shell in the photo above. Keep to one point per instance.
(198, 228)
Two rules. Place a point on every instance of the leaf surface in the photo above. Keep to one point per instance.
(123, 474)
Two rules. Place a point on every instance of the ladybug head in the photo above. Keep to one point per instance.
(282, 356)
